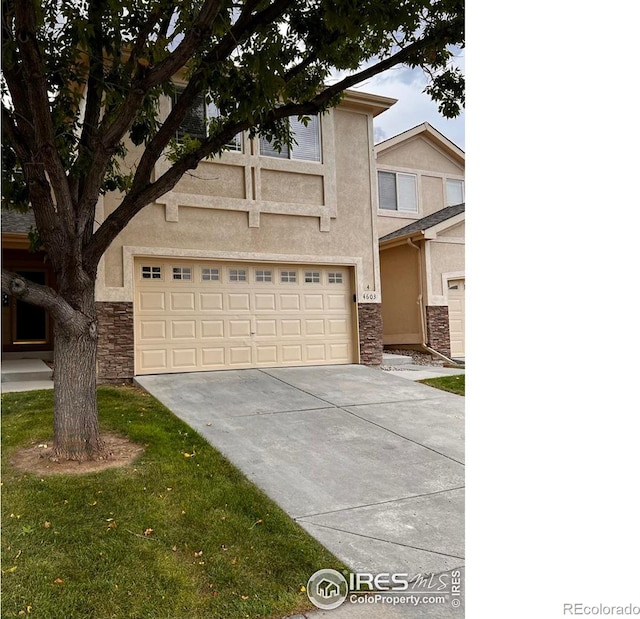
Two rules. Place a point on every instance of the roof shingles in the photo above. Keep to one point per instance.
(426, 222)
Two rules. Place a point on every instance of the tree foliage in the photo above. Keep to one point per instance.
(83, 80)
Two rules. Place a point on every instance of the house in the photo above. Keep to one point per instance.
(421, 220)
(257, 259)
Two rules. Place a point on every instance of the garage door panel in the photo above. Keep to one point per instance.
(181, 301)
(265, 302)
(240, 355)
(313, 302)
(211, 328)
(291, 327)
(314, 327)
(183, 329)
(153, 360)
(290, 302)
(339, 352)
(153, 330)
(266, 327)
(232, 315)
(316, 352)
(238, 301)
(292, 353)
(336, 301)
(213, 358)
(455, 290)
(211, 301)
(267, 355)
(151, 301)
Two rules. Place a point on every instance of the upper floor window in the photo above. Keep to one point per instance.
(196, 122)
(397, 192)
(455, 192)
(306, 145)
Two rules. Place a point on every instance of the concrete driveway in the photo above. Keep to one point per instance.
(370, 464)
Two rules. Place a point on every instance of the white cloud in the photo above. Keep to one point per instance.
(414, 106)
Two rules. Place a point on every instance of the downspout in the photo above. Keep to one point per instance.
(423, 345)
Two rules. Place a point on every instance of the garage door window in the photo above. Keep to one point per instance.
(237, 275)
(151, 272)
(335, 278)
(288, 277)
(182, 273)
(210, 275)
(312, 277)
(263, 276)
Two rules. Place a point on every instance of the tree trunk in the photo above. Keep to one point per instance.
(75, 417)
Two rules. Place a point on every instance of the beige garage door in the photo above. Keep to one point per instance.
(456, 316)
(198, 316)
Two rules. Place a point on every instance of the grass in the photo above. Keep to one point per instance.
(76, 547)
(454, 384)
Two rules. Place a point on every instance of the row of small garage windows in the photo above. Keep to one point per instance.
(241, 275)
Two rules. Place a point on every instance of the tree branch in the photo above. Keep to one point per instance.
(37, 89)
(43, 296)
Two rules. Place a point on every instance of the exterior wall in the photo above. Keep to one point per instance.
(432, 166)
(115, 342)
(443, 258)
(244, 206)
(438, 328)
(400, 278)
(370, 328)
(342, 229)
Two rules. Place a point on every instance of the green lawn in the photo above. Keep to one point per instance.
(454, 384)
(75, 546)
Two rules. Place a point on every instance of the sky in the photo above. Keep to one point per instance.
(413, 106)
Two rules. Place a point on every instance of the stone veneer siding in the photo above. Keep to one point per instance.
(438, 328)
(115, 342)
(370, 325)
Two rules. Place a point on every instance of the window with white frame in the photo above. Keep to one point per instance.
(312, 277)
(397, 192)
(149, 272)
(237, 275)
(210, 275)
(263, 276)
(196, 122)
(306, 144)
(182, 273)
(455, 192)
(335, 277)
(288, 277)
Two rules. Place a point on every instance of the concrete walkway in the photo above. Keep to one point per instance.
(25, 375)
(370, 464)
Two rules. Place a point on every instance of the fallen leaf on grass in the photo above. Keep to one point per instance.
(58, 581)
(148, 532)
(244, 597)
(47, 525)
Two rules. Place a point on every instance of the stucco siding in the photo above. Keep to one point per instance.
(444, 258)
(293, 216)
(418, 153)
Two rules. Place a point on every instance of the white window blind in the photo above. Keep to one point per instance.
(455, 192)
(307, 142)
(387, 190)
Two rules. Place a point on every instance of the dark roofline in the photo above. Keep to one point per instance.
(426, 222)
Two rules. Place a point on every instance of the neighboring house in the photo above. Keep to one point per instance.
(421, 221)
(256, 259)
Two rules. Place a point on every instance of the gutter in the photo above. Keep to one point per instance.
(423, 335)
